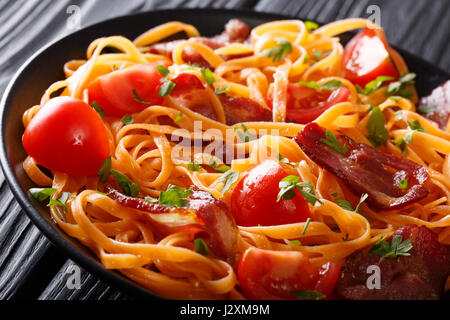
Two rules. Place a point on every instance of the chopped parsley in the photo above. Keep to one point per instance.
(244, 135)
(138, 99)
(166, 88)
(290, 183)
(305, 59)
(105, 170)
(415, 125)
(220, 90)
(98, 109)
(344, 204)
(295, 242)
(306, 226)
(331, 85)
(194, 166)
(163, 71)
(333, 143)
(61, 200)
(392, 250)
(403, 184)
(311, 25)
(317, 55)
(228, 178)
(309, 294)
(219, 168)
(429, 108)
(399, 87)
(373, 85)
(178, 118)
(127, 119)
(201, 247)
(208, 75)
(174, 196)
(42, 194)
(279, 52)
(286, 160)
(129, 187)
(309, 84)
(378, 134)
(401, 144)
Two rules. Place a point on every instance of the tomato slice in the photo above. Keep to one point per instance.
(365, 58)
(114, 91)
(68, 136)
(308, 115)
(254, 199)
(274, 275)
(305, 104)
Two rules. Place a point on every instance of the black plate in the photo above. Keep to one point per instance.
(46, 67)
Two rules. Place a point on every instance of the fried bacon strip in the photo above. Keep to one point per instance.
(366, 170)
(421, 275)
(190, 93)
(203, 214)
(439, 104)
(235, 31)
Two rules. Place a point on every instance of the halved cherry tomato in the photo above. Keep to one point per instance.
(254, 199)
(274, 275)
(114, 91)
(68, 136)
(365, 58)
(305, 104)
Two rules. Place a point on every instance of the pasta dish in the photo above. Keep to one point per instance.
(266, 163)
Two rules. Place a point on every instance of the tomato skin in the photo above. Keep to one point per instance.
(114, 91)
(305, 116)
(253, 200)
(68, 136)
(305, 104)
(365, 58)
(274, 275)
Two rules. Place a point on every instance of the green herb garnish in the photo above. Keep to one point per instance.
(127, 119)
(174, 196)
(201, 247)
(308, 294)
(333, 143)
(194, 166)
(392, 250)
(228, 178)
(378, 134)
(290, 183)
(105, 170)
(98, 109)
(279, 52)
(129, 187)
(208, 75)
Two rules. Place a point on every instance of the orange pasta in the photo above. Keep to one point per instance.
(148, 153)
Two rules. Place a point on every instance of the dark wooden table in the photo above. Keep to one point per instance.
(33, 268)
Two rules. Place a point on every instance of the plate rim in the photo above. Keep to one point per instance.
(111, 277)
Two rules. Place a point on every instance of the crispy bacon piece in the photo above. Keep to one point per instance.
(203, 214)
(440, 100)
(235, 31)
(366, 170)
(422, 275)
(190, 92)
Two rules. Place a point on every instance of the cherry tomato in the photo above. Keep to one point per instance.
(274, 275)
(68, 136)
(365, 58)
(124, 91)
(254, 199)
(305, 104)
